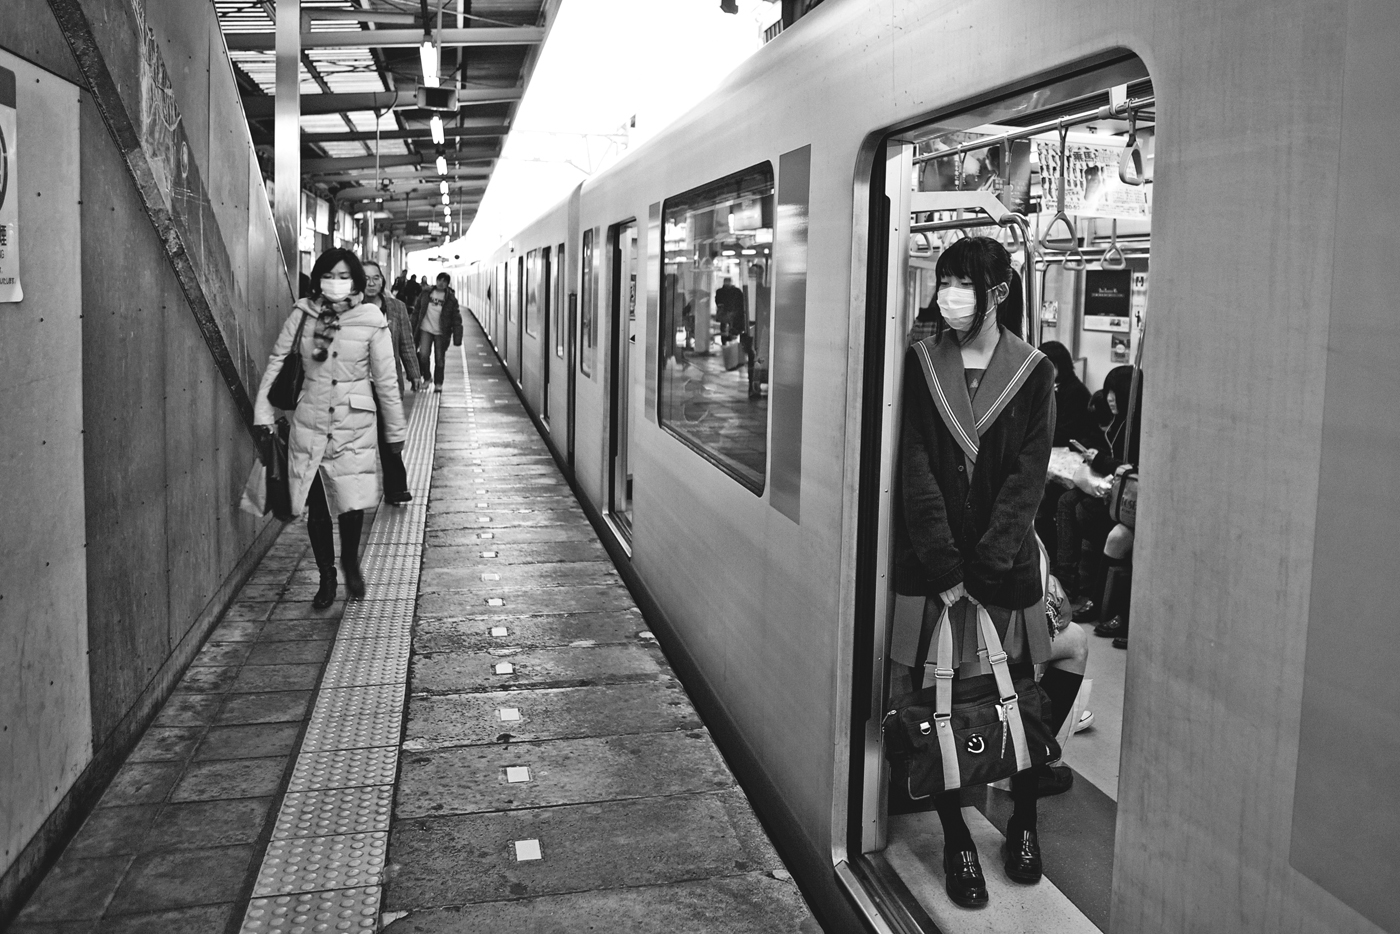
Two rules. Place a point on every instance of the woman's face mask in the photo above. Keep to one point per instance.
(958, 306)
(336, 290)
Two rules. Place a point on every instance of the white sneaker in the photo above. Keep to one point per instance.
(1086, 720)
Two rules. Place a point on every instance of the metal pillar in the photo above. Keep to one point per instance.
(286, 208)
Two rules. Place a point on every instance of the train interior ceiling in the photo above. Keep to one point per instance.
(1080, 176)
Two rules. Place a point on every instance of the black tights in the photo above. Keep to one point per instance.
(318, 529)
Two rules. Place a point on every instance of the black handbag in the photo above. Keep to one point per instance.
(286, 388)
(973, 731)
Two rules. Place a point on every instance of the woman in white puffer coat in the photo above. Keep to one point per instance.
(333, 454)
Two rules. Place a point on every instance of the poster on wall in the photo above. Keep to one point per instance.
(10, 289)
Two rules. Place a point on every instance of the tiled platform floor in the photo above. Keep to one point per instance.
(541, 709)
(173, 843)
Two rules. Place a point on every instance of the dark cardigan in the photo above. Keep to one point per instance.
(981, 535)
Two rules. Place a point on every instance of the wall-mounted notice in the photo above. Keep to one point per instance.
(10, 290)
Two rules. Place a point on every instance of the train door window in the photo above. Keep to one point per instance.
(588, 332)
(714, 323)
(544, 284)
(1063, 178)
(622, 238)
(557, 304)
(517, 308)
(531, 269)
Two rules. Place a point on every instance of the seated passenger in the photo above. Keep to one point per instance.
(964, 534)
(1073, 422)
(1118, 546)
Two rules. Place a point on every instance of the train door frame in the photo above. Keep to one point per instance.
(570, 312)
(860, 806)
(620, 375)
(546, 308)
(517, 306)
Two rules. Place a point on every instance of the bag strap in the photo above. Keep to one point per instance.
(1006, 688)
(943, 701)
(301, 329)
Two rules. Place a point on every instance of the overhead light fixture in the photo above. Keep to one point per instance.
(436, 124)
(428, 55)
(442, 165)
(446, 211)
(442, 186)
(446, 200)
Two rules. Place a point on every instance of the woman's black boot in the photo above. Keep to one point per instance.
(323, 547)
(1021, 851)
(350, 525)
(1117, 590)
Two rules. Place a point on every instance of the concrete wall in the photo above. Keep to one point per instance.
(125, 447)
(45, 718)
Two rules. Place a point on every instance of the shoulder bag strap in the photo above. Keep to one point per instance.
(943, 702)
(1006, 688)
(301, 329)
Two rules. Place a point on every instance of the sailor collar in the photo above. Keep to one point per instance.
(968, 418)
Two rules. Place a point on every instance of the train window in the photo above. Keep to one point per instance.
(532, 298)
(715, 321)
(554, 306)
(588, 326)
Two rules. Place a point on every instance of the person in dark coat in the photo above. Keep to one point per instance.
(396, 491)
(974, 459)
(436, 319)
(1073, 422)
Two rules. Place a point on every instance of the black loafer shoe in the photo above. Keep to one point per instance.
(399, 498)
(1084, 610)
(1053, 780)
(1112, 628)
(1022, 853)
(1121, 642)
(963, 880)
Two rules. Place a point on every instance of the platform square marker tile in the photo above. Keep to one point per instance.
(499, 631)
(526, 850)
(509, 714)
(517, 773)
(505, 668)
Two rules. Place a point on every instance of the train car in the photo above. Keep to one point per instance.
(1233, 153)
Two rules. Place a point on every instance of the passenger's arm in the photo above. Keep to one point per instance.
(1013, 512)
(386, 385)
(263, 411)
(925, 512)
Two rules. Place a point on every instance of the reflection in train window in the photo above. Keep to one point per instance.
(532, 298)
(556, 301)
(715, 323)
(587, 321)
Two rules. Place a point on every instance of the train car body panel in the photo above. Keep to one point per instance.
(1247, 256)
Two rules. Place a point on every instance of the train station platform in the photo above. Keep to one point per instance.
(491, 741)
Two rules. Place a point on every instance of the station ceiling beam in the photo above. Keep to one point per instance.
(404, 99)
(490, 129)
(393, 38)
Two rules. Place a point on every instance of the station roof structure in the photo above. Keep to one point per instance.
(363, 135)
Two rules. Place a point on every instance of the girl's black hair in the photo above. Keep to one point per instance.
(1098, 405)
(982, 260)
(327, 261)
(1064, 363)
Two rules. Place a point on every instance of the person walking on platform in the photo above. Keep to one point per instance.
(437, 318)
(979, 411)
(348, 357)
(400, 282)
(396, 491)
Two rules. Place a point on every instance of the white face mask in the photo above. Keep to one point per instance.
(958, 307)
(336, 290)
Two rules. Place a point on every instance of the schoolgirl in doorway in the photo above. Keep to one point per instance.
(979, 415)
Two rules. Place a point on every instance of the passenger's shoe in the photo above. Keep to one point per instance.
(1022, 853)
(1052, 780)
(1084, 610)
(398, 499)
(354, 580)
(1112, 628)
(1121, 642)
(1086, 719)
(437, 387)
(325, 596)
(962, 877)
